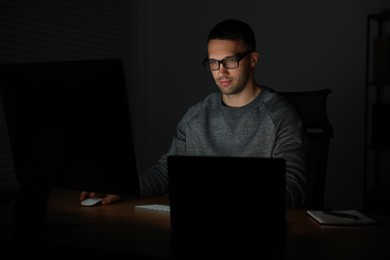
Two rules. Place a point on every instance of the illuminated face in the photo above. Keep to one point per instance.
(229, 78)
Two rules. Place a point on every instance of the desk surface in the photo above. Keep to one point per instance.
(119, 230)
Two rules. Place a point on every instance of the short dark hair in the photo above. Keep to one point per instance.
(232, 29)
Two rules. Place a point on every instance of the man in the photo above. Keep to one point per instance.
(241, 119)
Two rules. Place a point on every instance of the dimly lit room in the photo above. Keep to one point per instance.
(118, 77)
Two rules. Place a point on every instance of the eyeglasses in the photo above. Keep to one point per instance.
(228, 63)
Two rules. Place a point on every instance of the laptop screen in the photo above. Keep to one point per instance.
(227, 195)
(69, 125)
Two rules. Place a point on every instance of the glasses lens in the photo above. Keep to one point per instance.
(230, 63)
(213, 64)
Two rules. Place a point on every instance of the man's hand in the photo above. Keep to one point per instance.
(107, 198)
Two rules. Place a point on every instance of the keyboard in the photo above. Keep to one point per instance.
(154, 208)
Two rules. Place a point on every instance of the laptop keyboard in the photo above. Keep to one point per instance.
(154, 208)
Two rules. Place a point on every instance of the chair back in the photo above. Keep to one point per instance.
(312, 107)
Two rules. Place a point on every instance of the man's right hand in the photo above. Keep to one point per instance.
(107, 198)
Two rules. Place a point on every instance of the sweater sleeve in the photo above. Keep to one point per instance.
(154, 182)
(291, 144)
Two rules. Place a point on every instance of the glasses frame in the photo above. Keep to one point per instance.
(238, 57)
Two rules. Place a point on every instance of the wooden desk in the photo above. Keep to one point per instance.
(118, 231)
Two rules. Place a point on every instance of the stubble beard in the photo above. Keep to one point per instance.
(231, 90)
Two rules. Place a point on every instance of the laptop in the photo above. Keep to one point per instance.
(227, 195)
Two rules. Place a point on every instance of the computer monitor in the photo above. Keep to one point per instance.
(69, 125)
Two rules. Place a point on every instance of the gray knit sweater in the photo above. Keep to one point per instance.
(267, 127)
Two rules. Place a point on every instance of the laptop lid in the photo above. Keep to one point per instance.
(227, 195)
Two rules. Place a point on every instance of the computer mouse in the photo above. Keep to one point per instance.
(89, 202)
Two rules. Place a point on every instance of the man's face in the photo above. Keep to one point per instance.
(230, 81)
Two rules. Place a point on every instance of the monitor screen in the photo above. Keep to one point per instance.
(69, 125)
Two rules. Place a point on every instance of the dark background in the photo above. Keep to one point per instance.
(303, 45)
